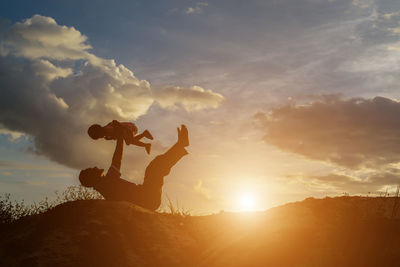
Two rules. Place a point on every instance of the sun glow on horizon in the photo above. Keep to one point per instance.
(247, 202)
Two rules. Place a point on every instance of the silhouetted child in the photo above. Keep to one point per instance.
(115, 129)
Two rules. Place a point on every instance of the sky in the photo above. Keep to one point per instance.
(283, 100)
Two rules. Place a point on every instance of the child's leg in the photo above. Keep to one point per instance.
(146, 134)
(137, 142)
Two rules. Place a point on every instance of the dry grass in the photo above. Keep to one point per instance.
(176, 209)
(11, 211)
(14, 210)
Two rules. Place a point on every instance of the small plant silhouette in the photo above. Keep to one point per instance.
(13, 210)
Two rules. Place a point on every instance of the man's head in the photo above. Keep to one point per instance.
(96, 131)
(89, 176)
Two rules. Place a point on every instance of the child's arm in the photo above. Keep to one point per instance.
(136, 138)
(110, 130)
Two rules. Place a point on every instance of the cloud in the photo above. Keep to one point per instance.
(362, 3)
(53, 88)
(197, 9)
(389, 16)
(12, 136)
(203, 192)
(35, 183)
(13, 165)
(40, 36)
(193, 98)
(339, 183)
(353, 133)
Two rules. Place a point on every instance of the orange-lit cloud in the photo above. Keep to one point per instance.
(339, 183)
(202, 191)
(193, 98)
(353, 133)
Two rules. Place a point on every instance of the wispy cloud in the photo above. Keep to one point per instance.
(197, 9)
(13, 136)
(15, 165)
(338, 183)
(202, 191)
(193, 98)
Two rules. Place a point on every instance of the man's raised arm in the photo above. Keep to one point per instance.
(117, 157)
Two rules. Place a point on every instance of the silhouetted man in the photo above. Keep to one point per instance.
(148, 194)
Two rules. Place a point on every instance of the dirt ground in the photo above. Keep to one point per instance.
(343, 231)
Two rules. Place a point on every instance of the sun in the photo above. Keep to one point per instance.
(246, 202)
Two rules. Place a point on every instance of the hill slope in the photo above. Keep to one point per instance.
(345, 231)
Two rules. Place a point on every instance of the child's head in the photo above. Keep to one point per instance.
(89, 176)
(95, 131)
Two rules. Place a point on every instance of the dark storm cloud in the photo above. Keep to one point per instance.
(353, 133)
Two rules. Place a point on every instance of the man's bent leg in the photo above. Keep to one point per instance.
(155, 173)
(161, 165)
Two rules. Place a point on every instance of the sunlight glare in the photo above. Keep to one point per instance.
(247, 202)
